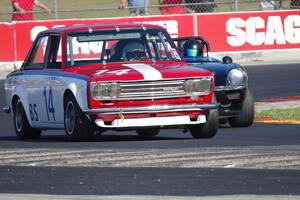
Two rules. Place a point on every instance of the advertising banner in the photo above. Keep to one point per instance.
(7, 44)
(226, 32)
(250, 31)
(25, 32)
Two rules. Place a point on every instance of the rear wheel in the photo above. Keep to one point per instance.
(247, 116)
(209, 129)
(21, 124)
(148, 132)
(77, 126)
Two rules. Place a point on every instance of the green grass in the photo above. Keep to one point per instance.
(281, 114)
(109, 8)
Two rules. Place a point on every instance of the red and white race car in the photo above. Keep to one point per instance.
(91, 78)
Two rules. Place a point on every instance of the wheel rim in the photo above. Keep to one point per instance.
(70, 118)
(19, 116)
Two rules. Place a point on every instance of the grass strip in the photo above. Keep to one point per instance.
(280, 114)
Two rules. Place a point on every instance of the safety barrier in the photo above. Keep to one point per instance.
(228, 33)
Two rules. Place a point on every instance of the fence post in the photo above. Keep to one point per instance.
(236, 5)
(146, 7)
(55, 9)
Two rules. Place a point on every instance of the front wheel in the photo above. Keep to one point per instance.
(209, 129)
(77, 126)
(247, 116)
(22, 127)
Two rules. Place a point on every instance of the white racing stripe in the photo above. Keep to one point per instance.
(149, 73)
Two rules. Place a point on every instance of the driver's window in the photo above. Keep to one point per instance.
(37, 57)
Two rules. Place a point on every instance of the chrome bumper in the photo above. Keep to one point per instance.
(153, 109)
(225, 88)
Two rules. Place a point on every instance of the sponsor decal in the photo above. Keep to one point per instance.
(116, 72)
(259, 31)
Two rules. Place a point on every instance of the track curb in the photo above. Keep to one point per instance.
(276, 121)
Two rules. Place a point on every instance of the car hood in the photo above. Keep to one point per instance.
(219, 69)
(140, 71)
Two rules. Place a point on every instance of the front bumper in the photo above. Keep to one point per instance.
(152, 109)
(177, 120)
(230, 100)
(151, 122)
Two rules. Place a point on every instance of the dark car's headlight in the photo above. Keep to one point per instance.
(237, 77)
(105, 91)
(201, 86)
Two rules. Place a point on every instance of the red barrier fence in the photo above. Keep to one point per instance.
(225, 32)
(251, 31)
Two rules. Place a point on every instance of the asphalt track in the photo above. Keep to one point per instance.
(259, 160)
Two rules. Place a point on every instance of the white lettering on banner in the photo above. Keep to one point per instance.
(252, 37)
(170, 25)
(233, 27)
(257, 31)
(292, 34)
(274, 31)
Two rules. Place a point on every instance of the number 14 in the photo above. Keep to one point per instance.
(49, 103)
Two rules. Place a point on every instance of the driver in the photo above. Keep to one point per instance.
(192, 48)
(134, 51)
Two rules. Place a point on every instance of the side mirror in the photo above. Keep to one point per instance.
(227, 60)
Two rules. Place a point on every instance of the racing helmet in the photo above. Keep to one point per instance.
(192, 48)
(134, 51)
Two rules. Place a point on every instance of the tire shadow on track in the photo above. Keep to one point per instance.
(110, 137)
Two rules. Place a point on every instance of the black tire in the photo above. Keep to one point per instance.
(247, 116)
(77, 126)
(209, 129)
(22, 127)
(148, 132)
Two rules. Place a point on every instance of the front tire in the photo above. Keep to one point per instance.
(22, 127)
(209, 129)
(247, 116)
(77, 126)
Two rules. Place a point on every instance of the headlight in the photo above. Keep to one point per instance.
(105, 91)
(198, 86)
(237, 77)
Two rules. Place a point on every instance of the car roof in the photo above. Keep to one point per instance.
(75, 28)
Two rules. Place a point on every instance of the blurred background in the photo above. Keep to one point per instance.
(69, 9)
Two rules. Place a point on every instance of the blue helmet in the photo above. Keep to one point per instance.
(192, 48)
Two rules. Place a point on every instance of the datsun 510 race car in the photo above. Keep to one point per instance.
(232, 92)
(90, 78)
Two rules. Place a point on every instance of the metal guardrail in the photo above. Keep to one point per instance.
(67, 9)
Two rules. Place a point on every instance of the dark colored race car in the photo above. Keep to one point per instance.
(231, 81)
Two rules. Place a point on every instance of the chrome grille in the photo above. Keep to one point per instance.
(152, 90)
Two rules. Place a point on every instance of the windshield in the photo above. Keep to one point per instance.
(85, 48)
